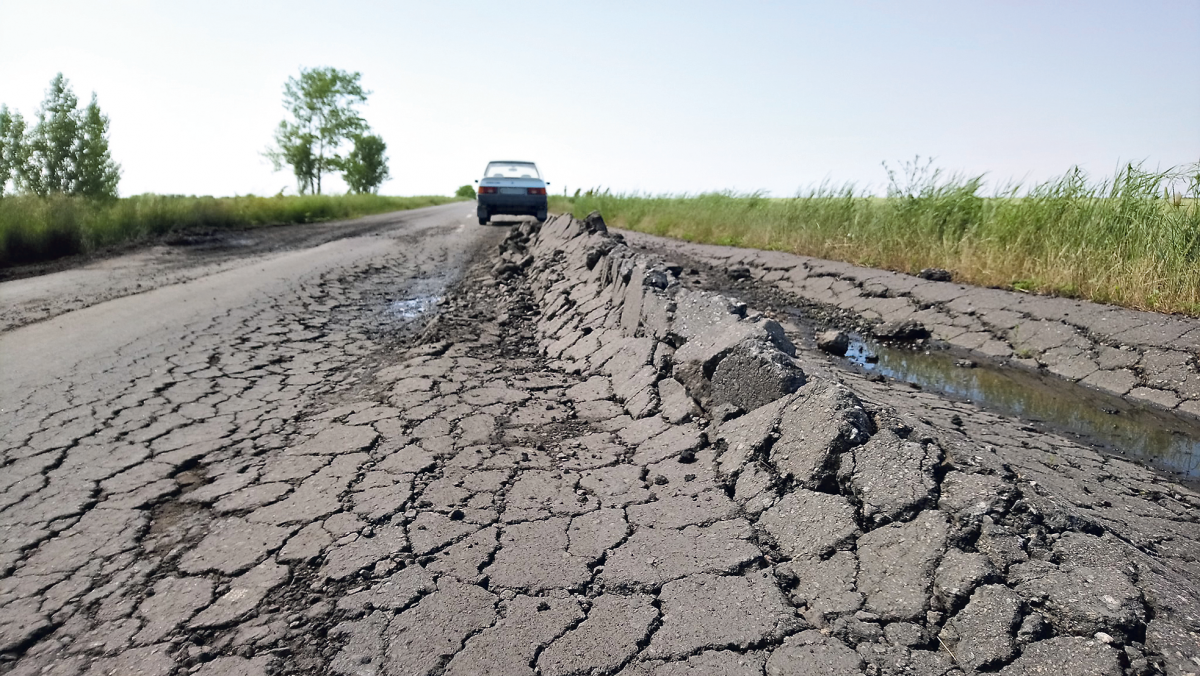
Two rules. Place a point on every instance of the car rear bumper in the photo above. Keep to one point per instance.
(516, 205)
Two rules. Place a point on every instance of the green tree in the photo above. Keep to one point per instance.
(13, 157)
(365, 168)
(51, 144)
(321, 103)
(465, 191)
(96, 174)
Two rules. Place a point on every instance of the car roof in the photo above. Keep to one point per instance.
(512, 162)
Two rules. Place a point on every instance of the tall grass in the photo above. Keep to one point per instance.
(1132, 239)
(36, 229)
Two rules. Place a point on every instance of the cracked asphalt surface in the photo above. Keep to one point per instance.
(450, 449)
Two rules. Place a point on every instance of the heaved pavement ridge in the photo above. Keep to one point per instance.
(1146, 357)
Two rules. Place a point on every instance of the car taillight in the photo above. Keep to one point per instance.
(487, 190)
(536, 191)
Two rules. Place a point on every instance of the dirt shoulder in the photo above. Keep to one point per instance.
(37, 292)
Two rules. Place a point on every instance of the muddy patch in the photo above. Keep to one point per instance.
(1157, 438)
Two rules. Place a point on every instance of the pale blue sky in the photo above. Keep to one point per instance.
(648, 96)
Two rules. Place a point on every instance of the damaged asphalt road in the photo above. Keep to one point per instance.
(449, 449)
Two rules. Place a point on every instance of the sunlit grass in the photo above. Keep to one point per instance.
(1131, 240)
(37, 229)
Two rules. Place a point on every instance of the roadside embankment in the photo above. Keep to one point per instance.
(34, 229)
(911, 534)
(1132, 239)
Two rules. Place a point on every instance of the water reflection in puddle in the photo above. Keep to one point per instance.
(1161, 439)
(409, 309)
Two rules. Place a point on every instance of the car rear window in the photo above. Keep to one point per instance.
(511, 170)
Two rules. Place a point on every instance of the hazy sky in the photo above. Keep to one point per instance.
(647, 96)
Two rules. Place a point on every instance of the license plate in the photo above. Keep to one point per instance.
(512, 191)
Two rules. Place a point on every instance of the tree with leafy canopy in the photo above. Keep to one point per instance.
(465, 191)
(96, 174)
(365, 168)
(324, 119)
(66, 152)
(13, 157)
(51, 142)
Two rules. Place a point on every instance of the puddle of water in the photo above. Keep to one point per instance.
(1157, 438)
(409, 309)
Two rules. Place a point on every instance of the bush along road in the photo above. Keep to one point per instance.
(452, 449)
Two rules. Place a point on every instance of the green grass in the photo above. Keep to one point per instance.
(34, 229)
(1130, 240)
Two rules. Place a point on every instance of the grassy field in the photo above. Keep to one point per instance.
(1130, 240)
(34, 229)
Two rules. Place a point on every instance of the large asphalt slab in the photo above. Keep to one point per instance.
(432, 447)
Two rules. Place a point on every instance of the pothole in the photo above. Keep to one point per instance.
(1157, 438)
(411, 308)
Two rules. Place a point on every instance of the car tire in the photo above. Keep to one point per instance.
(483, 214)
(542, 216)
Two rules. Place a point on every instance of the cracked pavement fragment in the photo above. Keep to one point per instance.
(614, 628)
(806, 523)
(233, 546)
(533, 557)
(245, 593)
(650, 558)
(174, 602)
(896, 566)
(422, 638)
(508, 647)
(706, 611)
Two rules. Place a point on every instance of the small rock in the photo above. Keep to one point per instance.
(722, 413)
(834, 342)
(1033, 628)
(594, 223)
(935, 274)
(505, 270)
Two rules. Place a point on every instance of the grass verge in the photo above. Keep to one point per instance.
(35, 229)
(1130, 240)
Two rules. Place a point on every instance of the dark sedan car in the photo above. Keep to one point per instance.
(511, 188)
